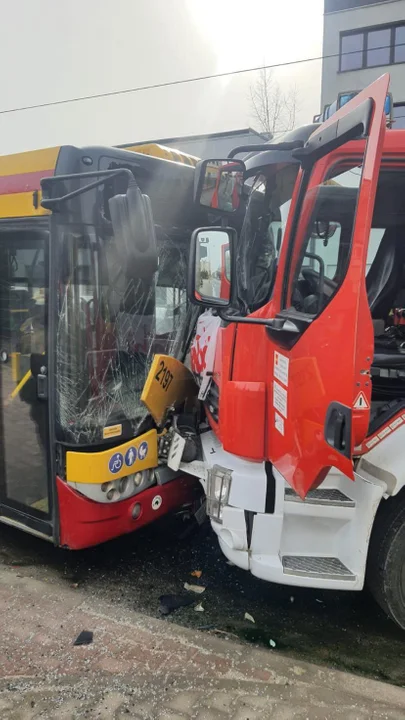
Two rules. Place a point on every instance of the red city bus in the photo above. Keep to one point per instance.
(80, 322)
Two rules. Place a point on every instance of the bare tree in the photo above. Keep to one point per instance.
(274, 110)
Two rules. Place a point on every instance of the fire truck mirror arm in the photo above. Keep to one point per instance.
(354, 125)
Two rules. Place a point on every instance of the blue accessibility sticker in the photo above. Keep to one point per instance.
(115, 463)
(130, 456)
(143, 450)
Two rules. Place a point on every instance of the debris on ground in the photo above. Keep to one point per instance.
(292, 598)
(199, 608)
(196, 573)
(249, 617)
(224, 632)
(84, 638)
(198, 589)
(272, 643)
(169, 603)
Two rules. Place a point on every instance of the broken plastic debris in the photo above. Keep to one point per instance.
(199, 608)
(272, 643)
(249, 617)
(292, 598)
(198, 589)
(196, 573)
(84, 638)
(168, 603)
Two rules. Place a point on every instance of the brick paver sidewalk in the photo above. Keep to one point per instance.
(139, 667)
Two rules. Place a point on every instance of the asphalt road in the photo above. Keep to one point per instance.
(341, 630)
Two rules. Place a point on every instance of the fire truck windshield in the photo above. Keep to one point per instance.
(108, 328)
(262, 234)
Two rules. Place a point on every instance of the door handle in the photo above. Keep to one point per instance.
(42, 384)
(339, 434)
(338, 428)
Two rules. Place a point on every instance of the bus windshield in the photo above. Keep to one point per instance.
(109, 326)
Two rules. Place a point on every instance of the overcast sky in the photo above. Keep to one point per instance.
(60, 49)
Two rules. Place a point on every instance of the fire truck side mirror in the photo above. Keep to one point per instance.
(218, 184)
(212, 267)
(134, 232)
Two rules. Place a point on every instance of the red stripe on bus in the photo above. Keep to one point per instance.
(24, 182)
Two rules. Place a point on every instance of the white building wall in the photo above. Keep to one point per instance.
(334, 81)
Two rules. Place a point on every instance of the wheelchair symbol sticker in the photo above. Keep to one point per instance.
(115, 463)
(130, 456)
(143, 450)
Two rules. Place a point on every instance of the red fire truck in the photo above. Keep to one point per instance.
(302, 365)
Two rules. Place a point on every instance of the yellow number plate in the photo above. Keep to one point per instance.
(169, 383)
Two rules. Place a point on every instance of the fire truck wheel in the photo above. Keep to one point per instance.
(386, 559)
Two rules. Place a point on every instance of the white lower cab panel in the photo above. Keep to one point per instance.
(319, 542)
(249, 482)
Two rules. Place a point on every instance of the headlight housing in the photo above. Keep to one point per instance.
(218, 487)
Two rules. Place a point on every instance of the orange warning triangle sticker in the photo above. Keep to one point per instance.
(361, 402)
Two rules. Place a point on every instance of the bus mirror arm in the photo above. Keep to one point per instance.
(53, 203)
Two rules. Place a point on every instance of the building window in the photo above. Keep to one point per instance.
(378, 47)
(371, 47)
(399, 47)
(398, 116)
(351, 51)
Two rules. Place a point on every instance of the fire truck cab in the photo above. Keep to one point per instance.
(304, 391)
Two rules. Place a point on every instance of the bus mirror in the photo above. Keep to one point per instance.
(219, 184)
(211, 268)
(134, 232)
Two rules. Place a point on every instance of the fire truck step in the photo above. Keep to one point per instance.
(322, 496)
(323, 567)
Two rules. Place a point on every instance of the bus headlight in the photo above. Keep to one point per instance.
(113, 491)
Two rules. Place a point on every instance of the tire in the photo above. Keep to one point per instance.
(386, 559)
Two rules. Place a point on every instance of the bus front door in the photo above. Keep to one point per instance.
(24, 445)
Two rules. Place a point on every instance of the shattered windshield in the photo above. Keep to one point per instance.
(108, 329)
(262, 234)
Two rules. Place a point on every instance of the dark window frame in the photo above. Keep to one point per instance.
(365, 31)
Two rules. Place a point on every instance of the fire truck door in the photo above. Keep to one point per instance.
(321, 341)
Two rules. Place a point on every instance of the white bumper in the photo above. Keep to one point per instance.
(321, 542)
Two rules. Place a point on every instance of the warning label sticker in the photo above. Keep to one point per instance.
(279, 423)
(281, 363)
(361, 402)
(280, 398)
